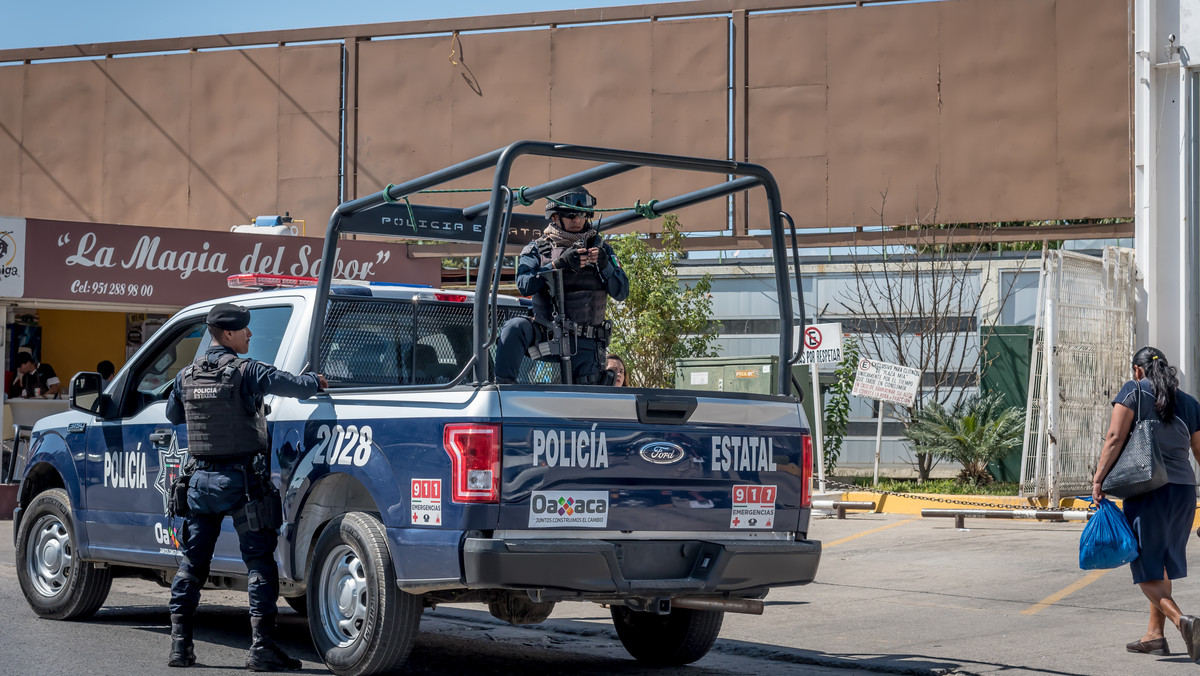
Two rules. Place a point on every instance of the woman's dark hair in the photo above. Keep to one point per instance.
(1164, 378)
(617, 358)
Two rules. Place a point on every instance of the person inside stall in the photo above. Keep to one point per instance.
(34, 379)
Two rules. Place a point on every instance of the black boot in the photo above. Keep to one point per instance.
(182, 653)
(264, 654)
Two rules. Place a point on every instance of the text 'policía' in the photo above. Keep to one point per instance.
(574, 448)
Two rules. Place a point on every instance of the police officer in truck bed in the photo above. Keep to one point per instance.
(221, 398)
(590, 273)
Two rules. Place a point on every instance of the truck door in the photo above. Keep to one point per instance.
(143, 452)
(139, 453)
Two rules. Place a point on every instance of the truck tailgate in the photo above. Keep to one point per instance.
(614, 459)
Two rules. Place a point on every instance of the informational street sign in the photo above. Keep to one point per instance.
(886, 382)
(822, 344)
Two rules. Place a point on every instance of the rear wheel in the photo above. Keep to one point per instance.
(57, 584)
(681, 637)
(360, 622)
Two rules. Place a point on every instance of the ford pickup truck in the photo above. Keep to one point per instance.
(416, 480)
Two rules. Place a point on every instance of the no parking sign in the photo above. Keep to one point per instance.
(822, 344)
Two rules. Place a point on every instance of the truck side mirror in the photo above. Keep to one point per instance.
(85, 393)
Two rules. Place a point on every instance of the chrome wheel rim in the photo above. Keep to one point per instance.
(51, 556)
(343, 595)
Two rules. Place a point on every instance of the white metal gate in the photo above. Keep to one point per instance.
(1083, 342)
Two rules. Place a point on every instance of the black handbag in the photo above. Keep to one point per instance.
(1139, 469)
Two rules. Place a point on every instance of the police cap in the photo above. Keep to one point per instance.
(228, 317)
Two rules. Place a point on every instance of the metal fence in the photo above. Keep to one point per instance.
(1082, 345)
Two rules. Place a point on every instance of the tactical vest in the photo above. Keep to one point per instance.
(586, 297)
(220, 422)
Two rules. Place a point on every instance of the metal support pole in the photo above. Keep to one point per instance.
(818, 425)
(878, 440)
(1051, 402)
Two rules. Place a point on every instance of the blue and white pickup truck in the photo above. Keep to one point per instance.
(415, 480)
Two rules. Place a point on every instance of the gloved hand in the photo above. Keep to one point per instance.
(570, 259)
(604, 260)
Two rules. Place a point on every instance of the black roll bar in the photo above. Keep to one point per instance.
(747, 175)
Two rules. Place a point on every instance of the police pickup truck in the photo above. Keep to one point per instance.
(416, 480)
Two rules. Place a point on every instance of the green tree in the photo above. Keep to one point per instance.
(976, 431)
(661, 320)
(837, 409)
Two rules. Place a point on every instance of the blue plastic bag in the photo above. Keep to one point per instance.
(1107, 541)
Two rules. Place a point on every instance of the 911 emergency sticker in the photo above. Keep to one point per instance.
(351, 445)
(753, 507)
(579, 509)
(426, 502)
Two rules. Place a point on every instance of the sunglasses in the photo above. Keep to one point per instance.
(572, 215)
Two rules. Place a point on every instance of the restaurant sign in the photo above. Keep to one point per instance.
(165, 266)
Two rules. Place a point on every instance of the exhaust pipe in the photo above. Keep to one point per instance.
(744, 606)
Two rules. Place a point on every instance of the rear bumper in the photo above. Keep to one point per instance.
(637, 566)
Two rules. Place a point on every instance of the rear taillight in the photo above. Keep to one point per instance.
(474, 450)
(806, 471)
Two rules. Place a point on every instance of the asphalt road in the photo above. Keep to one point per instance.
(895, 594)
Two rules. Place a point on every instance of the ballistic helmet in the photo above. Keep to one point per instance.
(575, 199)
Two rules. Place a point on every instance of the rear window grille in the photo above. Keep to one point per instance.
(370, 342)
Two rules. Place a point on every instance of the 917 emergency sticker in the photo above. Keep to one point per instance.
(426, 502)
(578, 509)
(753, 507)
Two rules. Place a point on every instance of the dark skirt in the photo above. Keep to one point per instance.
(1161, 521)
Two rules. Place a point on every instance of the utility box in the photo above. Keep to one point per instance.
(755, 375)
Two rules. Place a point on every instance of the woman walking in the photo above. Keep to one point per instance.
(1161, 520)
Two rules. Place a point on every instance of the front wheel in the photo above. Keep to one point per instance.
(57, 584)
(675, 639)
(360, 622)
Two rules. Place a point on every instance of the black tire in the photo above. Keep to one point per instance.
(57, 584)
(298, 603)
(360, 622)
(682, 637)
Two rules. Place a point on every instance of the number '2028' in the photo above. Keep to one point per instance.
(337, 445)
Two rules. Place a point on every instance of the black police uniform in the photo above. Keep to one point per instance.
(586, 291)
(220, 397)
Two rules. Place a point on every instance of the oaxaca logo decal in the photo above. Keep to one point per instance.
(581, 509)
(170, 463)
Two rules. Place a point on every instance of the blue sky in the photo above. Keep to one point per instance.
(44, 23)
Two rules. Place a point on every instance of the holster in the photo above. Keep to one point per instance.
(177, 503)
(265, 511)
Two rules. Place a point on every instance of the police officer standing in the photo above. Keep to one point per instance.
(570, 246)
(221, 398)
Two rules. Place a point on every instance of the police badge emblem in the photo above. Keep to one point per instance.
(170, 464)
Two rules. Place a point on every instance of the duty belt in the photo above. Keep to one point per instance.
(599, 332)
(223, 463)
